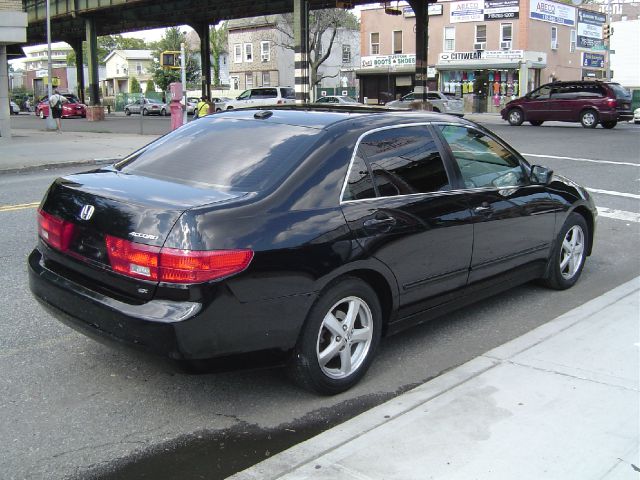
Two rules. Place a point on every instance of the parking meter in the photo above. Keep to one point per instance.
(175, 105)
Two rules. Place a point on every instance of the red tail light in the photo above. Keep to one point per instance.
(56, 232)
(612, 102)
(173, 265)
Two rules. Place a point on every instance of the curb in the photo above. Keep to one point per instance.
(53, 166)
(331, 440)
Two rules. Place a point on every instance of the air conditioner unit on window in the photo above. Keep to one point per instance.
(505, 45)
(480, 46)
(554, 45)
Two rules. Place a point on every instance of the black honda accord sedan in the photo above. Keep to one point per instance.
(309, 231)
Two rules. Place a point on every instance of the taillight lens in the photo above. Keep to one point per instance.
(56, 232)
(173, 265)
(612, 102)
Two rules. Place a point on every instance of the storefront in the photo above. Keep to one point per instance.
(388, 77)
(486, 80)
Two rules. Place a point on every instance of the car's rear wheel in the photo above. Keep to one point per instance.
(536, 123)
(127, 112)
(218, 109)
(589, 119)
(609, 125)
(229, 108)
(569, 253)
(339, 338)
(515, 117)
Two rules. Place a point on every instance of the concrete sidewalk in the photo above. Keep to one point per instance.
(36, 149)
(561, 402)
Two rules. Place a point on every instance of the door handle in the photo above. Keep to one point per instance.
(484, 207)
(379, 224)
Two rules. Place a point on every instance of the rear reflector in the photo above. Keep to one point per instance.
(173, 265)
(55, 231)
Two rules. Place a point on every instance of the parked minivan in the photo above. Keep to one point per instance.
(587, 102)
(260, 96)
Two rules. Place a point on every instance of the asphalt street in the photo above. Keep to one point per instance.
(73, 408)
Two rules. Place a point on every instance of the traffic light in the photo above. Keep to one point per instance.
(607, 31)
(170, 59)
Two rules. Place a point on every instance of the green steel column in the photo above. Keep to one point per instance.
(205, 58)
(92, 61)
(420, 7)
(76, 43)
(301, 49)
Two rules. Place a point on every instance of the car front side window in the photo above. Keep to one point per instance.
(482, 160)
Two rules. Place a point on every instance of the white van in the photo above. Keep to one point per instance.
(259, 96)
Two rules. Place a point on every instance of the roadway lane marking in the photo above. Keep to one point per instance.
(619, 214)
(615, 194)
(20, 206)
(589, 160)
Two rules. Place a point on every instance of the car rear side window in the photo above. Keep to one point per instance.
(359, 185)
(482, 160)
(404, 161)
(214, 152)
(288, 93)
(264, 93)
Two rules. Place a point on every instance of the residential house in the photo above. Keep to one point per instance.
(121, 65)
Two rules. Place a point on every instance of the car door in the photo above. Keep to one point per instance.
(403, 209)
(536, 107)
(514, 220)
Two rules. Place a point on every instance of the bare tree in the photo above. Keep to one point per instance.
(323, 28)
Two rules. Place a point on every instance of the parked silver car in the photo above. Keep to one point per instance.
(439, 101)
(147, 106)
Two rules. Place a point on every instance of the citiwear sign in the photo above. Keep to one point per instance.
(481, 55)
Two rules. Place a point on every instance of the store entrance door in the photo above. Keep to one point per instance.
(481, 91)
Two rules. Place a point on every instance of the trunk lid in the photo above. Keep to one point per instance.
(110, 203)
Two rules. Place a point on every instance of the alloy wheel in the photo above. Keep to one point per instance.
(345, 337)
(572, 252)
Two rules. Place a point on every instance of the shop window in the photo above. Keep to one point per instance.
(572, 45)
(237, 53)
(374, 47)
(346, 54)
(481, 37)
(397, 41)
(248, 52)
(506, 36)
(248, 80)
(265, 51)
(449, 39)
(554, 38)
(266, 79)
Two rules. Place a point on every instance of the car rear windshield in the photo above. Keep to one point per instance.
(620, 91)
(225, 153)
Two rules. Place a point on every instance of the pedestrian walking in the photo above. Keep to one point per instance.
(55, 106)
(202, 108)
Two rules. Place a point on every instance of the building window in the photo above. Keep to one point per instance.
(235, 83)
(139, 68)
(248, 80)
(449, 39)
(574, 38)
(346, 53)
(248, 52)
(397, 41)
(237, 53)
(481, 34)
(554, 38)
(266, 79)
(265, 51)
(374, 47)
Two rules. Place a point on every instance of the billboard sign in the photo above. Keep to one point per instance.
(501, 9)
(592, 60)
(590, 27)
(552, 12)
(468, 11)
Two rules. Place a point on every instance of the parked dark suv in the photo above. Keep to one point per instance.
(587, 102)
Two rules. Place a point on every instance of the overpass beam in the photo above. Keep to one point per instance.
(420, 7)
(76, 44)
(92, 61)
(301, 49)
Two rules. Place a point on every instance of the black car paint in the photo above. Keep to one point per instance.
(304, 238)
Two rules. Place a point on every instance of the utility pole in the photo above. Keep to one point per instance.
(183, 61)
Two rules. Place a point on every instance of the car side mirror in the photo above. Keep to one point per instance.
(541, 175)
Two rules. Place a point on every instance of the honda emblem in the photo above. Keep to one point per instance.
(87, 212)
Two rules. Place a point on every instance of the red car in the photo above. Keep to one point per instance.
(73, 108)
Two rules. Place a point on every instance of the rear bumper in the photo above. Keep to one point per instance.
(180, 330)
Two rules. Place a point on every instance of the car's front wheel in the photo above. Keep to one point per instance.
(127, 112)
(589, 119)
(609, 125)
(569, 253)
(339, 338)
(515, 117)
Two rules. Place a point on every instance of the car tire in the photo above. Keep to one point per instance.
(326, 360)
(145, 112)
(536, 123)
(163, 113)
(515, 117)
(127, 112)
(436, 110)
(609, 125)
(218, 110)
(569, 253)
(42, 115)
(589, 118)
